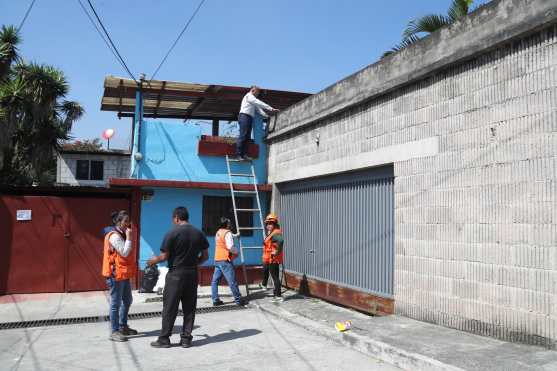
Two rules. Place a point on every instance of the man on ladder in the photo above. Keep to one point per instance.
(250, 104)
(273, 254)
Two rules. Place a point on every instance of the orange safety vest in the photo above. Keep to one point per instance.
(221, 252)
(122, 268)
(269, 246)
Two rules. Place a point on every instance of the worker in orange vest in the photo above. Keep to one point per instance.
(225, 253)
(273, 254)
(118, 268)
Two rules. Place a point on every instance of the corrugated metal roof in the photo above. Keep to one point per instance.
(170, 99)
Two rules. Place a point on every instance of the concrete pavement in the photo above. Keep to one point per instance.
(409, 344)
(240, 341)
(403, 342)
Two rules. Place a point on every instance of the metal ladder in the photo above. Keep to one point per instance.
(233, 193)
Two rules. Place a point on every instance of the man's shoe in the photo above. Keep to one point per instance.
(278, 299)
(247, 158)
(128, 331)
(263, 287)
(218, 302)
(160, 343)
(185, 343)
(117, 336)
(242, 302)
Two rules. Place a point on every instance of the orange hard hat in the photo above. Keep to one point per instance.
(271, 218)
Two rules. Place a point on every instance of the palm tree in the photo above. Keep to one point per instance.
(34, 119)
(9, 39)
(430, 23)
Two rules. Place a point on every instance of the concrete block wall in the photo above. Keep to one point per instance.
(475, 215)
(115, 166)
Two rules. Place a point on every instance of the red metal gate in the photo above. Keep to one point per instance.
(60, 248)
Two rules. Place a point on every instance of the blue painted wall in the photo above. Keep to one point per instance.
(156, 220)
(170, 153)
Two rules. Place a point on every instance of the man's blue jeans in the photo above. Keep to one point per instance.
(245, 124)
(120, 301)
(226, 269)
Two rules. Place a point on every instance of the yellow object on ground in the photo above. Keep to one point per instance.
(343, 326)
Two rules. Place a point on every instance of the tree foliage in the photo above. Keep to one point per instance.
(418, 28)
(35, 117)
(91, 145)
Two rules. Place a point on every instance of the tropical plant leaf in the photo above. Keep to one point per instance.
(426, 24)
(403, 44)
(459, 9)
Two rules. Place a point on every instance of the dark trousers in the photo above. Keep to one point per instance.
(245, 122)
(180, 286)
(272, 269)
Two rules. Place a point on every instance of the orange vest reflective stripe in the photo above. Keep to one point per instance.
(124, 268)
(221, 252)
(269, 246)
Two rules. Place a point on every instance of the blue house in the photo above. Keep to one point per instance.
(176, 161)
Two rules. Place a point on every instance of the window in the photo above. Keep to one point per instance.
(89, 170)
(82, 171)
(97, 168)
(214, 207)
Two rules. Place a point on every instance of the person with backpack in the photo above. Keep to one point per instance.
(225, 253)
(118, 267)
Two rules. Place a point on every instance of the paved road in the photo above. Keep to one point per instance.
(236, 340)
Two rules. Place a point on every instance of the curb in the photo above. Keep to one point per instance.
(374, 348)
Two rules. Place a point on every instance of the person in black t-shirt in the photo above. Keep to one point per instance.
(184, 247)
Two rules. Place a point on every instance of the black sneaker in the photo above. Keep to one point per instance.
(117, 336)
(128, 331)
(243, 302)
(185, 343)
(218, 302)
(247, 158)
(161, 343)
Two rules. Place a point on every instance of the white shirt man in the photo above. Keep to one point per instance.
(250, 105)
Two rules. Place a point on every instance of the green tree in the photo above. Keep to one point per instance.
(34, 116)
(430, 23)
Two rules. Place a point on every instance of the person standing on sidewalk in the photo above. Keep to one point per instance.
(184, 247)
(225, 253)
(118, 268)
(250, 104)
(273, 253)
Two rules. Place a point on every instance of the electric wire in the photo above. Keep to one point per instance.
(26, 14)
(100, 33)
(177, 39)
(111, 42)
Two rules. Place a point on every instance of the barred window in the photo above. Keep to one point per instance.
(214, 207)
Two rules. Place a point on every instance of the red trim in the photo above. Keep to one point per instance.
(222, 146)
(129, 182)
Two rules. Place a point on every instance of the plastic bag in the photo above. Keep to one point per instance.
(150, 278)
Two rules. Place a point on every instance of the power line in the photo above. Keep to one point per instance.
(26, 14)
(111, 42)
(100, 33)
(177, 39)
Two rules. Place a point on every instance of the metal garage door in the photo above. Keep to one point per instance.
(339, 229)
(59, 248)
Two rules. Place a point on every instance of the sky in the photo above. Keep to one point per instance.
(295, 45)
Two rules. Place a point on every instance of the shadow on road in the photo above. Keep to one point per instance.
(225, 336)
